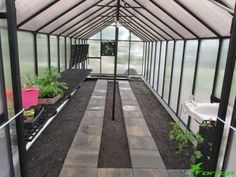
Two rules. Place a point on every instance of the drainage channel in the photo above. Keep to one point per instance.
(114, 150)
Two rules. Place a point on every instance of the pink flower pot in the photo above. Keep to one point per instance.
(30, 97)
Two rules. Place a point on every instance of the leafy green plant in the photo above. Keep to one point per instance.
(183, 139)
(48, 83)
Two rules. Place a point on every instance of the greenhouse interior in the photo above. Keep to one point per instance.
(124, 88)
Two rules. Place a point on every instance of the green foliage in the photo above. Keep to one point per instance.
(29, 112)
(183, 139)
(48, 84)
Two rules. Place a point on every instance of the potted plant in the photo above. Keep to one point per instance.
(50, 89)
(30, 93)
(29, 114)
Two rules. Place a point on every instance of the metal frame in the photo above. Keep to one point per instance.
(15, 76)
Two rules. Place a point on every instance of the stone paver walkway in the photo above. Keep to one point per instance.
(82, 158)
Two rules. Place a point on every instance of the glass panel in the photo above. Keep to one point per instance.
(108, 33)
(144, 59)
(68, 51)
(5, 160)
(42, 50)
(221, 70)
(94, 64)
(96, 36)
(161, 73)
(94, 48)
(7, 67)
(134, 37)
(157, 65)
(136, 57)
(188, 74)
(206, 70)
(107, 65)
(53, 51)
(152, 63)
(232, 160)
(123, 33)
(123, 55)
(26, 54)
(168, 70)
(62, 54)
(3, 6)
(176, 74)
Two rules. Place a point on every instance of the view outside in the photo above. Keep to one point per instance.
(107, 63)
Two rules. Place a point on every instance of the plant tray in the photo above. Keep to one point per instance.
(49, 100)
(31, 123)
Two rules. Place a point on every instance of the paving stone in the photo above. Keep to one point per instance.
(96, 102)
(82, 157)
(96, 107)
(114, 172)
(98, 97)
(92, 113)
(86, 129)
(93, 120)
(78, 172)
(132, 114)
(178, 173)
(149, 173)
(146, 143)
(135, 122)
(129, 102)
(86, 141)
(131, 108)
(137, 131)
(146, 159)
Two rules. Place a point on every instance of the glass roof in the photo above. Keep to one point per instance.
(151, 20)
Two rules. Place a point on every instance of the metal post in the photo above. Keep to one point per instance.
(150, 64)
(154, 69)
(100, 53)
(15, 74)
(65, 43)
(115, 64)
(49, 52)
(148, 53)
(58, 55)
(225, 93)
(35, 54)
(129, 52)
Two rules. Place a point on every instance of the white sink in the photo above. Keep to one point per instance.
(203, 111)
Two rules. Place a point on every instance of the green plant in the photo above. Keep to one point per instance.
(29, 112)
(184, 139)
(48, 83)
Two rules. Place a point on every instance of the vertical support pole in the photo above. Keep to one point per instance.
(144, 59)
(49, 52)
(65, 43)
(15, 74)
(58, 55)
(225, 93)
(181, 77)
(148, 53)
(129, 52)
(116, 56)
(35, 54)
(100, 53)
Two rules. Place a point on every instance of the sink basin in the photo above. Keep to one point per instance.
(203, 111)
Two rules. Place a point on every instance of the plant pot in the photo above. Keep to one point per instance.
(31, 123)
(49, 100)
(30, 97)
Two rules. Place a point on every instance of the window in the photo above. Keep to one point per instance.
(53, 51)
(42, 51)
(162, 63)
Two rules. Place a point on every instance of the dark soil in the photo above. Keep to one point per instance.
(114, 150)
(47, 155)
(158, 121)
